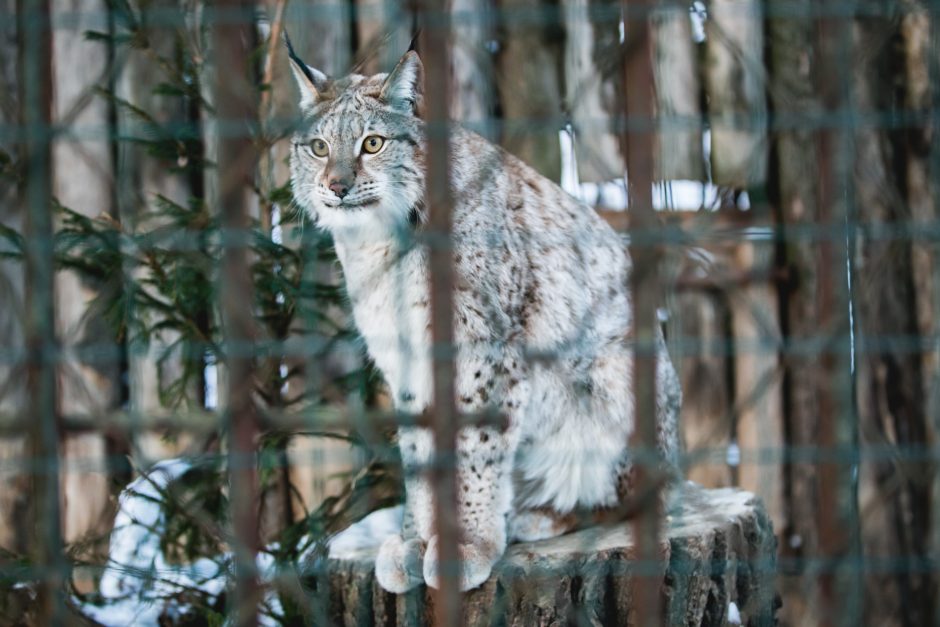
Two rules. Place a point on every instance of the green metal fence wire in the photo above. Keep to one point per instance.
(214, 277)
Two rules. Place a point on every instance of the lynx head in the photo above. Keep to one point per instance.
(357, 158)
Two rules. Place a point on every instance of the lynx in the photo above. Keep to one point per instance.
(542, 319)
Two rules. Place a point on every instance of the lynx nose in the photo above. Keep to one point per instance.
(339, 187)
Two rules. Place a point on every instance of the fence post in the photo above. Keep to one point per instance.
(237, 110)
(435, 39)
(42, 349)
(637, 144)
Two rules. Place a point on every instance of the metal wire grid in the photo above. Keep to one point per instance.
(840, 563)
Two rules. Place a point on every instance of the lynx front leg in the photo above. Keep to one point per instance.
(399, 565)
(484, 494)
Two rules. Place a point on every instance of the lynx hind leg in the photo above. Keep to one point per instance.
(484, 495)
(476, 560)
(530, 525)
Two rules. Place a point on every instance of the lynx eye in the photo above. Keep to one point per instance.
(319, 148)
(373, 144)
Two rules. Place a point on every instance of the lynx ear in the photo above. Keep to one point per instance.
(314, 85)
(404, 87)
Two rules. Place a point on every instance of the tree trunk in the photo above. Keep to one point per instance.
(793, 193)
(718, 550)
(894, 493)
(14, 485)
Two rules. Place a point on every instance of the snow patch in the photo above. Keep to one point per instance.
(137, 579)
(368, 533)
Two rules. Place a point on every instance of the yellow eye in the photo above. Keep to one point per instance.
(319, 148)
(373, 144)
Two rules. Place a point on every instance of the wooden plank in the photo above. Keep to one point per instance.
(83, 181)
(383, 29)
(530, 87)
(700, 320)
(735, 85)
(588, 91)
(759, 428)
(471, 65)
(678, 94)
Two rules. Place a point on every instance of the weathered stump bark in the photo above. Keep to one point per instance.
(719, 549)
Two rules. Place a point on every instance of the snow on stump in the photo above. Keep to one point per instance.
(717, 569)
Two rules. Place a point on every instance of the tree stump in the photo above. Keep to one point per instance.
(717, 569)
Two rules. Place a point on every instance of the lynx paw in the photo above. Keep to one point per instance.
(476, 563)
(398, 564)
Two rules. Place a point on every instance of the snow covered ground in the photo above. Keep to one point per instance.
(138, 579)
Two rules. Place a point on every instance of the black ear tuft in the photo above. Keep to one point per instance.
(414, 41)
(298, 62)
(314, 85)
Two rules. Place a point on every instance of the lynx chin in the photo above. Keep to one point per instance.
(542, 316)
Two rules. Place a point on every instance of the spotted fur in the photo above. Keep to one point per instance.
(541, 316)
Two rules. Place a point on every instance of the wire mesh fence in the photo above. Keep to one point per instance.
(198, 422)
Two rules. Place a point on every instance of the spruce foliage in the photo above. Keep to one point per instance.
(155, 273)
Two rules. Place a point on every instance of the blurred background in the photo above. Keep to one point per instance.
(797, 182)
